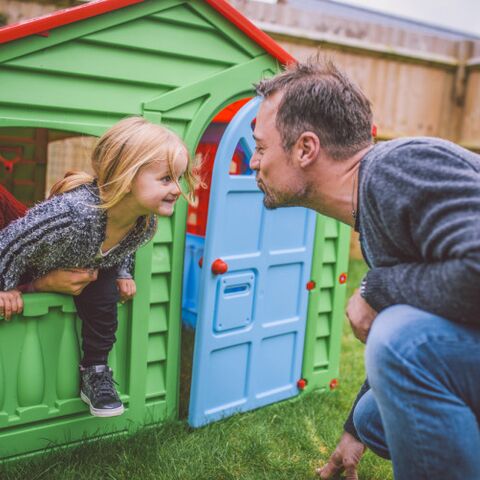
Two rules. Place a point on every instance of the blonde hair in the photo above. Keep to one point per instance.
(120, 153)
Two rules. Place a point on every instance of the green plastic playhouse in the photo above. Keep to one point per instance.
(74, 73)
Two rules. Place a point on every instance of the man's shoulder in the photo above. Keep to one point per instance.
(423, 150)
(418, 156)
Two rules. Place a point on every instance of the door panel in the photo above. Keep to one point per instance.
(251, 319)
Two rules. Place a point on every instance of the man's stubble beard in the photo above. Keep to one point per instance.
(272, 202)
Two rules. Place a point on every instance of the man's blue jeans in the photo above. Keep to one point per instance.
(423, 409)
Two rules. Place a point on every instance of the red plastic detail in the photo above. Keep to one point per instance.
(225, 115)
(311, 285)
(198, 214)
(333, 384)
(10, 162)
(374, 130)
(247, 27)
(342, 278)
(219, 267)
(200, 262)
(61, 17)
(43, 34)
(301, 384)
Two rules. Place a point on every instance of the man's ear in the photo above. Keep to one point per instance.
(307, 149)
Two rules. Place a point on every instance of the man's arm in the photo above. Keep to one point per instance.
(425, 202)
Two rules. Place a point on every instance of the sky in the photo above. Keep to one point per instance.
(459, 15)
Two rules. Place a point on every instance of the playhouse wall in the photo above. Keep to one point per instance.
(174, 62)
(326, 308)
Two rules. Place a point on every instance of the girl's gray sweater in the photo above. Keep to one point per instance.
(66, 231)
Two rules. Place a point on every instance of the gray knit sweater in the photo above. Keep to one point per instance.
(419, 224)
(65, 231)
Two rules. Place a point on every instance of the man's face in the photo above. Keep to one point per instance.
(277, 176)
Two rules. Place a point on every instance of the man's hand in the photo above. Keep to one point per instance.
(346, 457)
(361, 316)
(11, 303)
(126, 288)
(71, 281)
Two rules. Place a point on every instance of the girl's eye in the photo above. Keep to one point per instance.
(166, 179)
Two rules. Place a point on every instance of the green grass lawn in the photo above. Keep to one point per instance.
(283, 441)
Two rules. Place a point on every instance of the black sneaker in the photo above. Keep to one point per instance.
(98, 391)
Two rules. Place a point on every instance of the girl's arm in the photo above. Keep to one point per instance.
(126, 288)
(70, 281)
(19, 242)
(125, 283)
(46, 230)
(125, 269)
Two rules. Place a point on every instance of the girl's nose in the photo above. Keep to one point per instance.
(176, 189)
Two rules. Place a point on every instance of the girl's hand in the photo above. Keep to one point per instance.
(70, 281)
(126, 288)
(11, 303)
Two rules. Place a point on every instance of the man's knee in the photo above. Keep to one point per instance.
(393, 332)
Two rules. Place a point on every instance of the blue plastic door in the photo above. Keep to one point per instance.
(251, 320)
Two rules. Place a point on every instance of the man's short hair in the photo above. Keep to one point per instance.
(320, 98)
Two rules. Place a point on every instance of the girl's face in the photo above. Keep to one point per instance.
(155, 190)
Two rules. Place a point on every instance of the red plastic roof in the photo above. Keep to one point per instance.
(42, 25)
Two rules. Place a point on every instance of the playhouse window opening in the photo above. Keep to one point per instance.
(33, 159)
(66, 154)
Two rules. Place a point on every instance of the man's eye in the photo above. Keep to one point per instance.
(258, 149)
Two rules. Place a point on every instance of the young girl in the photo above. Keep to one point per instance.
(98, 223)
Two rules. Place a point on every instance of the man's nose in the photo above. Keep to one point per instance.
(254, 161)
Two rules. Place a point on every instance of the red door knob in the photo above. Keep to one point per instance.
(301, 384)
(219, 267)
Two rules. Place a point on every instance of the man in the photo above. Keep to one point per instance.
(416, 204)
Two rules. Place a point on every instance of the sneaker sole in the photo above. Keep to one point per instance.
(96, 412)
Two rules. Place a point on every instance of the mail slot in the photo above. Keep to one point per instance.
(234, 304)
